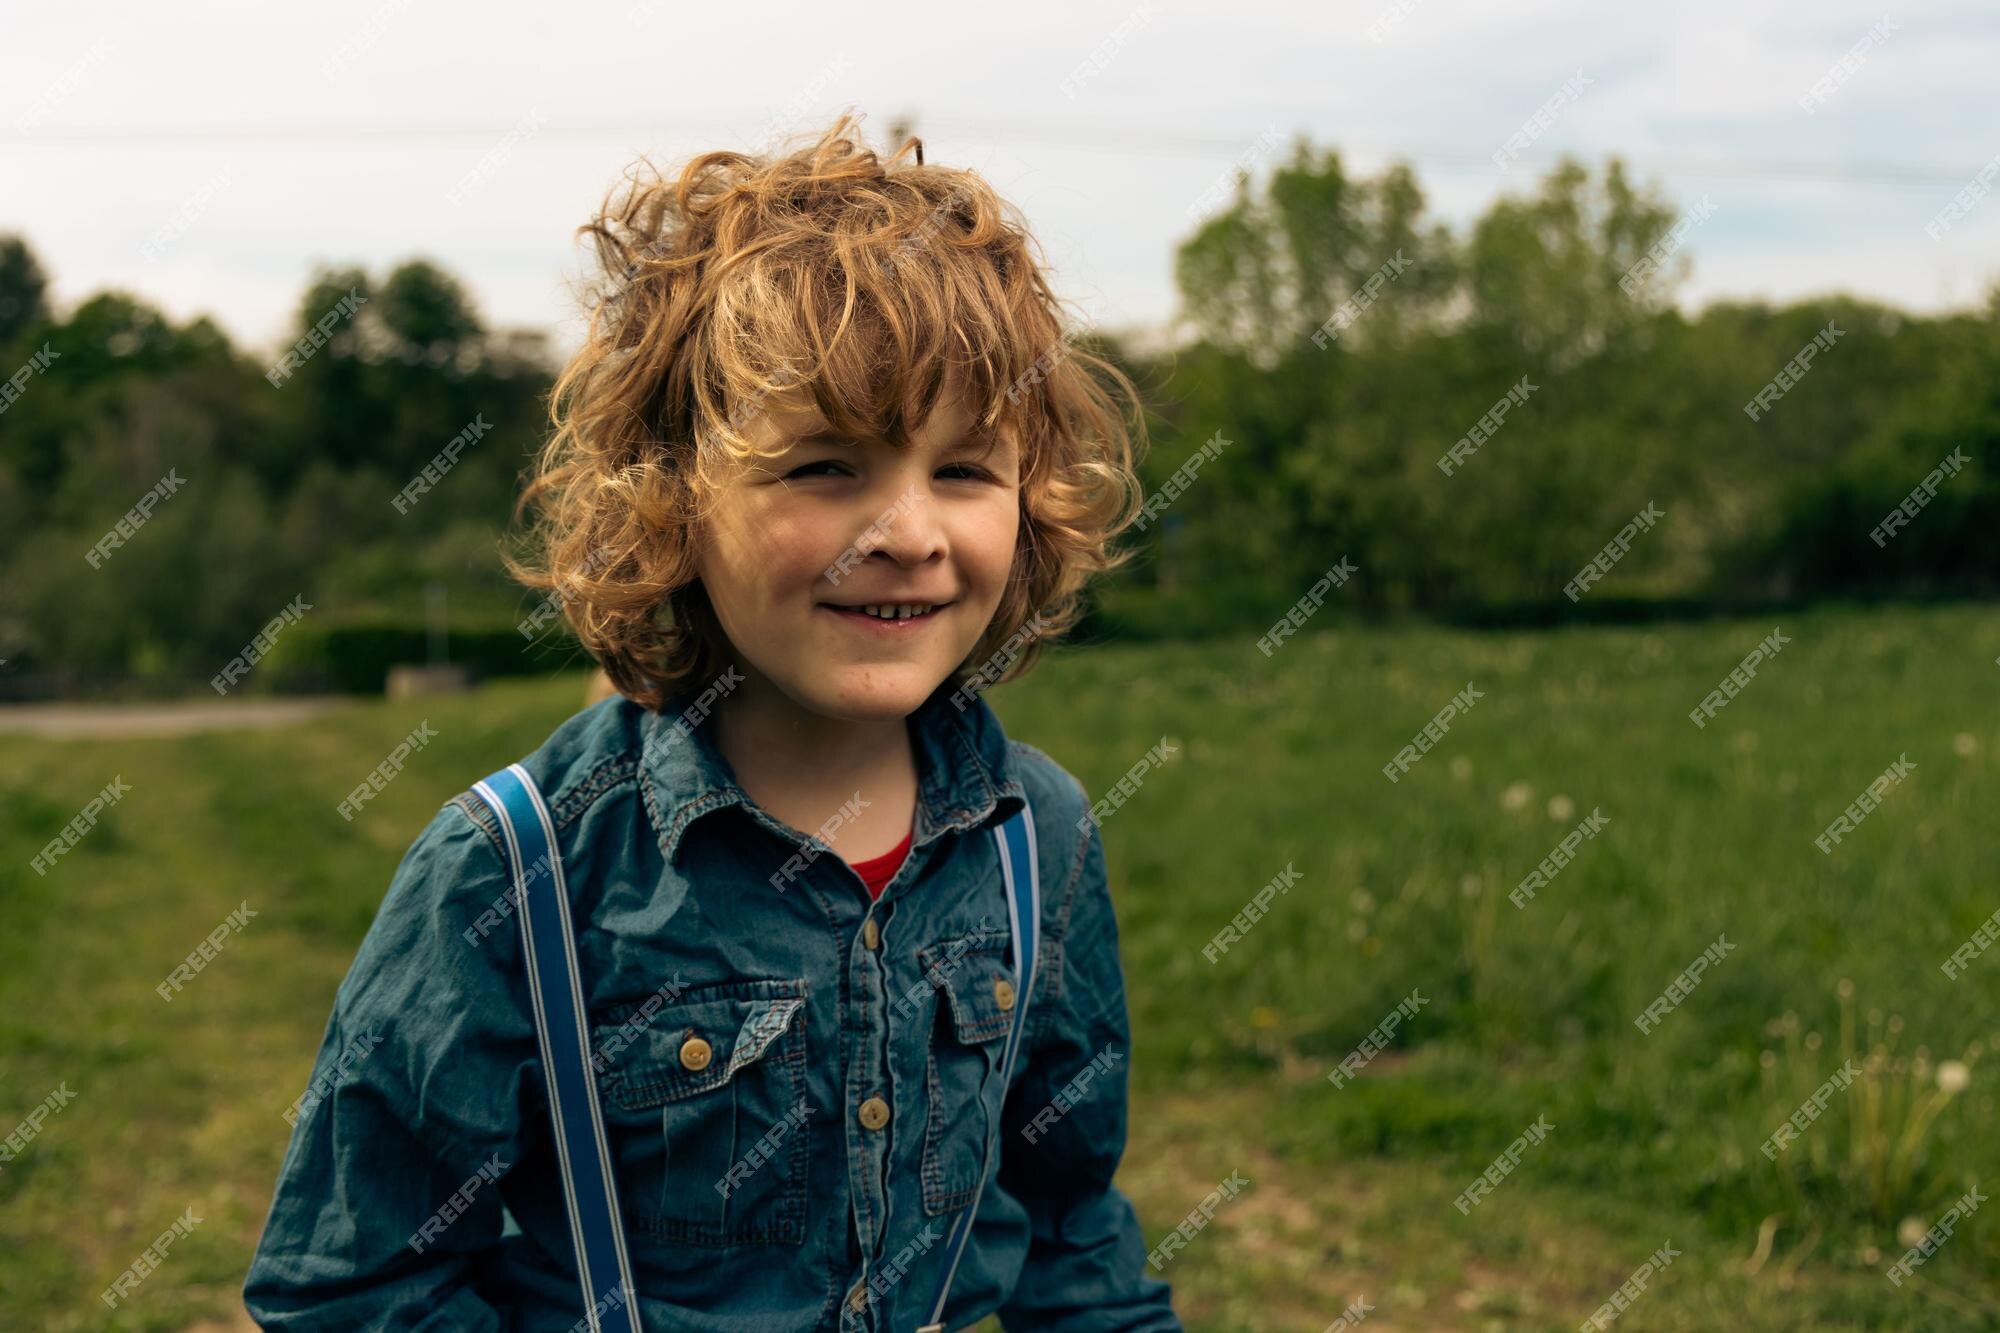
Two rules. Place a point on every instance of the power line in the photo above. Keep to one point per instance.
(1103, 140)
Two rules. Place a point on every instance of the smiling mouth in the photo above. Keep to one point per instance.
(889, 614)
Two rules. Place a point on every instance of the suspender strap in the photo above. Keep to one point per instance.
(556, 989)
(1022, 881)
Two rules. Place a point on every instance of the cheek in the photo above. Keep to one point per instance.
(767, 553)
(987, 548)
(789, 550)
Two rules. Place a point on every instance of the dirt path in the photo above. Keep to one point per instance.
(115, 721)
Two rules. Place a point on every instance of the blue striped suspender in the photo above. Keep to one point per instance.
(1024, 915)
(562, 1026)
(561, 1023)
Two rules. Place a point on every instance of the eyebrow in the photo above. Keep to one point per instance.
(974, 441)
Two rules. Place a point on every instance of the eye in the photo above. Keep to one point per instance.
(970, 472)
(813, 469)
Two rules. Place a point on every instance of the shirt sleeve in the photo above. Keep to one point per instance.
(1064, 1133)
(390, 1191)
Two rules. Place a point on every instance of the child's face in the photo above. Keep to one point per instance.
(830, 525)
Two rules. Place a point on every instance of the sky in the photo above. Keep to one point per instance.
(207, 157)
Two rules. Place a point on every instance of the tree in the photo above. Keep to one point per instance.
(1264, 275)
(427, 317)
(1549, 272)
(23, 290)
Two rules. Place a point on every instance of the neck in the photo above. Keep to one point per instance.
(802, 767)
(761, 729)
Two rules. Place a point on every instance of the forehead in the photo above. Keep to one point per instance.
(792, 419)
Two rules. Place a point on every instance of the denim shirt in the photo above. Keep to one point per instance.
(746, 999)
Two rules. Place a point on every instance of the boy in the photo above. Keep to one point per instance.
(823, 470)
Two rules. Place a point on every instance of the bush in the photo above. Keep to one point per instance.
(353, 656)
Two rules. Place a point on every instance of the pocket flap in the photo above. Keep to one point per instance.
(694, 1044)
(972, 980)
(762, 1025)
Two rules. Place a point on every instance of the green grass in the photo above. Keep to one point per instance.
(1528, 1011)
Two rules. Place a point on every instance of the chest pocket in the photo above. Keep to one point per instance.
(704, 1101)
(976, 994)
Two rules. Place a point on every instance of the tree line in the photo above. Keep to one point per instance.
(1469, 417)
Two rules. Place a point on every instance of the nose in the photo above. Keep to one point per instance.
(908, 529)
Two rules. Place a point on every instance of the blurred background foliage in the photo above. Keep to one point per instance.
(1332, 451)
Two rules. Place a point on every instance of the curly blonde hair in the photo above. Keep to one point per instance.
(864, 287)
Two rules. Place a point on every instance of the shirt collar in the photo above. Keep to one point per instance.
(966, 777)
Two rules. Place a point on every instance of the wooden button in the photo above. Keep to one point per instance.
(871, 934)
(874, 1113)
(696, 1053)
(1003, 992)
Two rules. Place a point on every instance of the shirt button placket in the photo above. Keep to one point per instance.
(865, 1093)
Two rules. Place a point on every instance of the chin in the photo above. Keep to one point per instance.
(875, 693)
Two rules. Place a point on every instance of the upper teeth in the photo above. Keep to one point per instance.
(898, 612)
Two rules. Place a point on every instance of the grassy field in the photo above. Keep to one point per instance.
(1528, 1013)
